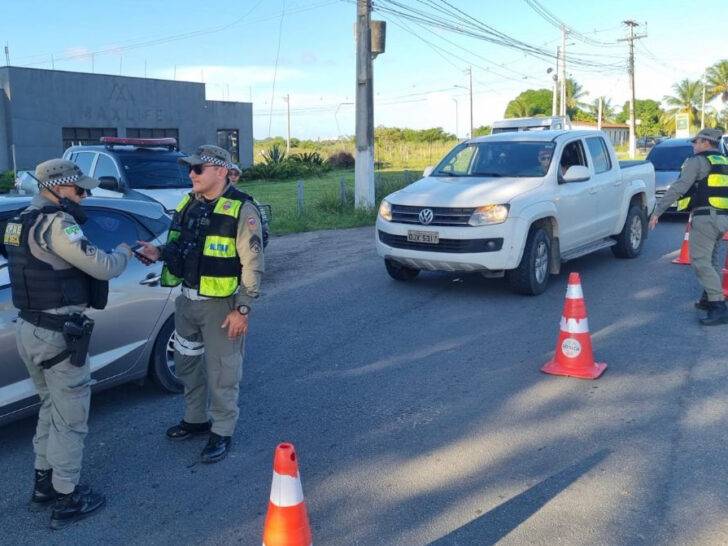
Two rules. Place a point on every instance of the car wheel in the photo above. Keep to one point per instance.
(161, 366)
(632, 238)
(400, 272)
(532, 275)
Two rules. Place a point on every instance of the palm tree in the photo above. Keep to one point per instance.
(687, 98)
(607, 109)
(716, 79)
(574, 92)
(518, 108)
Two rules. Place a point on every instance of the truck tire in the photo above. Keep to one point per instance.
(532, 275)
(632, 238)
(400, 272)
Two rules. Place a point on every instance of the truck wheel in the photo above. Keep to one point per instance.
(630, 241)
(532, 275)
(400, 272)
(161, 365)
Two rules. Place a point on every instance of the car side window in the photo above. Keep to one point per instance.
(108, 228)
(573, 154)
(4, 276)
(105, 166)
(84, 160)
(600, 155)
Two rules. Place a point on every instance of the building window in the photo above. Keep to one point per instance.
(85, 135)
(228, 139)
(141, 132)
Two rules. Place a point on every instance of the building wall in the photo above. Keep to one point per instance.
(42, 102)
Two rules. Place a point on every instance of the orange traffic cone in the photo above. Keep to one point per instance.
(684, 258)
(574, 356)
(725, 236)
(286, 523)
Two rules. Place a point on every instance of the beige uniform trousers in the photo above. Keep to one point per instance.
(65, 393)
(705, 236)
(208, 363)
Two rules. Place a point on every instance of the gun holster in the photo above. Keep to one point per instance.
(77, 333)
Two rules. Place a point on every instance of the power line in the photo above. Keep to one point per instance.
(275, 70)
(559, 23)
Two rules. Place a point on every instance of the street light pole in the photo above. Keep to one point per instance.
(364, 163)
(470, 74)
(457, 130)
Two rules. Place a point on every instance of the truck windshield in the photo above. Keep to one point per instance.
(497, 159)
(153, 170)
(669, 158)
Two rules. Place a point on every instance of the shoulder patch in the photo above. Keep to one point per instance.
(12, 234)
(255, 244)
(73, 232)
(252, 222)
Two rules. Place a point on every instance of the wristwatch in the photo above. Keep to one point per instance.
(244, 310)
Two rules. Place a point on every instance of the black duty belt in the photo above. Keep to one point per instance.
(49, 321)
(706, 212)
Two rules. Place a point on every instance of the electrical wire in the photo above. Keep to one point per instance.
(275, 69)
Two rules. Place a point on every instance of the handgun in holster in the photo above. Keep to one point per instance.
(77, 333)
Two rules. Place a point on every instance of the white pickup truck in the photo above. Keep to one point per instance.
(517, 204)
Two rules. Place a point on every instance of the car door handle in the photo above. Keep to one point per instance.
(618, 183)
(593, 190)
(152, 279)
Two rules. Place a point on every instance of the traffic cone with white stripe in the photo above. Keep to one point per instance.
(286, 523)
(684, 258)
(574, 357)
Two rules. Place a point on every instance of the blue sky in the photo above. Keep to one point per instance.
(232, 45)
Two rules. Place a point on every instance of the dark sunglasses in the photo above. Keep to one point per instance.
(81, 192)
(197, 169)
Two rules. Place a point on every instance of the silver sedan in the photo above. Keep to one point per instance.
(132, 337)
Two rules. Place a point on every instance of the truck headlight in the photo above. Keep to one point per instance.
(489, 214)
(385, 210)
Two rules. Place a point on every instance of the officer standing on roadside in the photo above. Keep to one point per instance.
(55, 275)
(215, 251)
(234, 173)
(702, 189)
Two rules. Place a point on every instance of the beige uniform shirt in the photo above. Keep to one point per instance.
(58, 240)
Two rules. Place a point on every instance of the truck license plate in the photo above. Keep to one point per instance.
(431, 237)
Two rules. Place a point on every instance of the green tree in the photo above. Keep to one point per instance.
(483, 130)
(687, 98)
(716, 78)
(575, 94)
(650, 115)
(608, 113)
(532, 102)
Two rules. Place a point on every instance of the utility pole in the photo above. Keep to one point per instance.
(7, 54)
(364, 165)
(632, 121)
(702, 108)
(457, 128)
(599, 115)
(563, 71)
(472, 127)
(555, 97)
(288, 141)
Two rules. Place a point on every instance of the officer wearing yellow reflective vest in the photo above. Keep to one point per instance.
(702, 189)
(215, 251)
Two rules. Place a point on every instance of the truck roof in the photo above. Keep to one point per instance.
(534, 136)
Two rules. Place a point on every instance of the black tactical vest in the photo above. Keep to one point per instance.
(34, 284)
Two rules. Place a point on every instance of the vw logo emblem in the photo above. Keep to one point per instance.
(426, 216)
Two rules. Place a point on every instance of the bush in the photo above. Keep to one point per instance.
(308, 158)
(341, 160)
(274, 156)
(283, 170)
(7, 181)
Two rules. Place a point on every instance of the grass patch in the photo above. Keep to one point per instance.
(322, 204)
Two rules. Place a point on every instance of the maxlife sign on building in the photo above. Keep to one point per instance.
(682, 125)
(43, 112)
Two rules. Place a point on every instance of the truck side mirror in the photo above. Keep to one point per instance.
(428, 171)
(577, 173)
(110, 183)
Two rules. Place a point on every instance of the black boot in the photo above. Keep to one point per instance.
(75, 506)
(702, 303)
(216, 449)
(717, 314)
(44, 492)
(187, 430)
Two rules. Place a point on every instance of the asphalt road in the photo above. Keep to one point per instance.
(420, 416)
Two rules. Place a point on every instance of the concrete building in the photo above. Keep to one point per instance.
(618, 133)
(42, 112)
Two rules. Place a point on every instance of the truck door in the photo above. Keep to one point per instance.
(610, 189)
(576, 202)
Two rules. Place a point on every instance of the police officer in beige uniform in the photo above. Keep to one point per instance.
(215, 251)
(703, 190)
(55, 275)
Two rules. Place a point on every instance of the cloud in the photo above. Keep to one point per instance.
(230, 75)
(77, 52)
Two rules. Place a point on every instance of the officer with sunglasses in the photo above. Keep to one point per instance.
(214, 250)
(56, 274)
